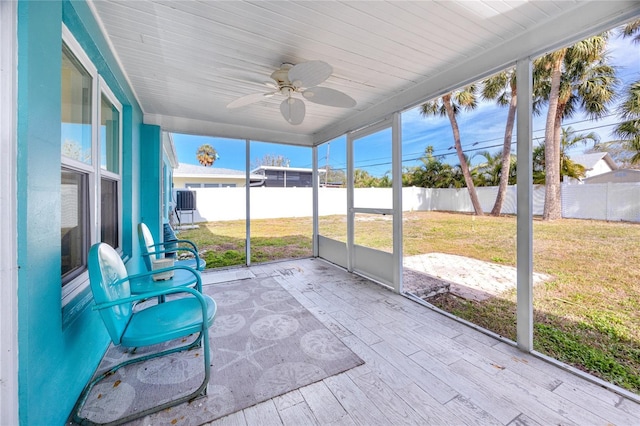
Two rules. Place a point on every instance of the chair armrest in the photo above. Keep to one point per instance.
(156, 293)
(191, 243)
(171, 268)
(172, 250)
(164, 243)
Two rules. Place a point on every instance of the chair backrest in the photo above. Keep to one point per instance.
(107, 277)
(146, 242)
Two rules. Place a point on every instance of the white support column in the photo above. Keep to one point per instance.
(525, 207)
(315, 184)
(8, 224)
(350, 212)
(247, 220)
(396, 173)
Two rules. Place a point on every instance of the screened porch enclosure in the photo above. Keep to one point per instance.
(241, 111)
(221, 70)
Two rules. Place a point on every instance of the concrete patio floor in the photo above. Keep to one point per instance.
(421, 367)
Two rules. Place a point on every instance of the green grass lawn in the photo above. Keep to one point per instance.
(587, 315)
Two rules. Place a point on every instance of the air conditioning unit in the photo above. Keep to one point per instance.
(185, 200)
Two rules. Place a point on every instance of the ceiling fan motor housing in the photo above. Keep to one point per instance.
(281, 76)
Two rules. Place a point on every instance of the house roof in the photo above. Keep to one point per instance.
(169, 149)
(186, 60)
(290, 169)
(590, 160)
(620, 175)
(193, 170)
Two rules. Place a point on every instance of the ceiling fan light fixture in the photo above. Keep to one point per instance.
(293, 110)
(304, 79)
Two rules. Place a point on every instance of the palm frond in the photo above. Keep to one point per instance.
(632, 29)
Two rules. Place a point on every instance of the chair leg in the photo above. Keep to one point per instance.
(203, 336)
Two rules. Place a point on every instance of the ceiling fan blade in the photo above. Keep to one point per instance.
(293, 110)
(248, 99)
(309, 74)
(271, 85)
(330, 97)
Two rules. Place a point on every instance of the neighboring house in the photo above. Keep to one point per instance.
(595, 163)
(616, 176)
(285, 177)
(197, 176)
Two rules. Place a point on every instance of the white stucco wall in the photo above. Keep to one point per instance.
(600, 167)
(180, 182)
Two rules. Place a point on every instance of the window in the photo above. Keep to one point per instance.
(109, 169)
(90, 165)
(109, 135)
(109, 212)
(77, 87)
(74, 223)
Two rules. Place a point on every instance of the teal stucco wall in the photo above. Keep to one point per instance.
(151, 179)
(59, 350)
(167, 172)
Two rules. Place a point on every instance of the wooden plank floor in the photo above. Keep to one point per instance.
(421, 367)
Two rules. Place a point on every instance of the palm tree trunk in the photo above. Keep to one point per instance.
(552, 207)
(446, 100)
(506, 154)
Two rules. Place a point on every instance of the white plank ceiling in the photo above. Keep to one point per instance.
(186, 60)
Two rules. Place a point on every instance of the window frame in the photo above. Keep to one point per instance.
(104, 90)
(94, 171)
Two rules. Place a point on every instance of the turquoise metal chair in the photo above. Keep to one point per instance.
(151, 249)
(158, 323)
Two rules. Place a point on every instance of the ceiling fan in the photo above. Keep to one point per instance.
(303, 79)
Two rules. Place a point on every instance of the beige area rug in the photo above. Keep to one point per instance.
(263, 344)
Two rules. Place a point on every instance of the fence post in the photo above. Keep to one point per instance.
(606, 200)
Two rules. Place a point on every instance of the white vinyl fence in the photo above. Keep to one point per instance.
(602, 201)
(611, 201)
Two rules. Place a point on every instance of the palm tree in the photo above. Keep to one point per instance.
(206, 155)
(363, 179)
(450, 105)
(632, 29)
(568, 167)
(490, 171)
(629, 130)
(573, 78)
(502, 88)
(539, 165)
(568, 140)
(629, 110)
(432, 173)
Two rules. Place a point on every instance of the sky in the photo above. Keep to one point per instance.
(481, 130)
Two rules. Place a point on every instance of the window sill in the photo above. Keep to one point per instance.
(78, 299)
(72, 310)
